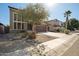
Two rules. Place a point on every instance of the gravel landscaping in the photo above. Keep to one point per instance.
(43, 38)
(10, 46)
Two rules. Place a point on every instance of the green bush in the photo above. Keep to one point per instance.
(66, 31)
(62, 29)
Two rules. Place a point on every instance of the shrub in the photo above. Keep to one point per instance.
(24, 35)
(32, 35)
(62, 29)
(66, 31)
(22, 31)
(58, 30)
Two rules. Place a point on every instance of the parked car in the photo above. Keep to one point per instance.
(6, 29)
(2, 28)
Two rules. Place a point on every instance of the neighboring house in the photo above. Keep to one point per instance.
(54, 25)
(2, 30)
(17, 23)
(41, 28)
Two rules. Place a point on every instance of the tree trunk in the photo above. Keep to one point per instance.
(67, 22)
(33, 28)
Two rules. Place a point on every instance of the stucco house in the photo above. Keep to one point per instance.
(54, 24)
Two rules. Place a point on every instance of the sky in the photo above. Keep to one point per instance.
(56, 11)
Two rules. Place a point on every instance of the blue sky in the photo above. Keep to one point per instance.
(56, 11)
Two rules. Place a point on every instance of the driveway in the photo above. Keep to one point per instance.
(54, 34)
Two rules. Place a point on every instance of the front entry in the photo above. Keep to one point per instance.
(29, 26)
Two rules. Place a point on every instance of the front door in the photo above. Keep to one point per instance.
(29, 26)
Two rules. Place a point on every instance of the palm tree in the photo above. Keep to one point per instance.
(67, 14)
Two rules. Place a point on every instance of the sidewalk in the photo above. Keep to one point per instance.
(73, 50)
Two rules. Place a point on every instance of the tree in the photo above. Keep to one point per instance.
(34, 14)
(74, 24)
(67, 14)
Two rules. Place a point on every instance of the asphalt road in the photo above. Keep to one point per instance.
(74, 50)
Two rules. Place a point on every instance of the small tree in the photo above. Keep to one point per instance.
(34, 14)
(74, 23)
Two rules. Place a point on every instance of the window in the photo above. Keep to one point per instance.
(22, 25)
(19, 17)
(19, 25)
(15, 16)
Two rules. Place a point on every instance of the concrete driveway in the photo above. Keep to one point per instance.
(54, 34)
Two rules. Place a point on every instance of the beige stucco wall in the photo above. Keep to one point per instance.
(54, 25)
(12, 12)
